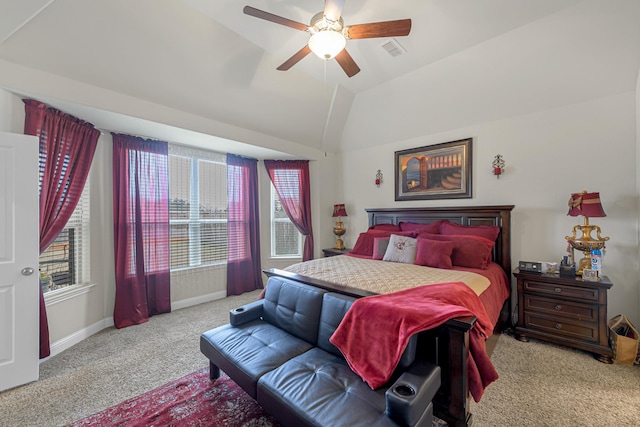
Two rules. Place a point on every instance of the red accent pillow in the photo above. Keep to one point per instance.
(433, 227)
(364, 244)
(434, 253)
(380, 245)
(468, 251)
(489, 232)
(385, 227)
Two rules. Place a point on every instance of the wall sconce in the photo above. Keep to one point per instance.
(338, 212)
(378, 178)
(498, 165)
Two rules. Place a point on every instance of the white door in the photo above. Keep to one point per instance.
(19, 248)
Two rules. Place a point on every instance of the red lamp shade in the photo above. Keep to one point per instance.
(586, 204)
(339, 210)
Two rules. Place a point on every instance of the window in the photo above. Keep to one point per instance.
(66, 261)
(197, 208)
(286, 240)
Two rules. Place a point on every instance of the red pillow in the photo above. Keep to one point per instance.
(489, 232)
(468, 251)
(380, 247)
(434, 253)
(364, 244)
(385, 227)
(433, 227)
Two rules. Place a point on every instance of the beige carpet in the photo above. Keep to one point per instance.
(543, 384)
(540, 384)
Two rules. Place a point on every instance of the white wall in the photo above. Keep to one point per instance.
(637, 112)
(549, 155)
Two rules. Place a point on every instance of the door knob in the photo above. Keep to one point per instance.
(27, 271)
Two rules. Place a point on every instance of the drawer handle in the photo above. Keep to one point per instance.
(558, 307)
(557, 290)
(558, 326)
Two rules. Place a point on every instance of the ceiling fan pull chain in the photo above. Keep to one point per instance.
(325, 79)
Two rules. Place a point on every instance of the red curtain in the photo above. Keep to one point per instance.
(244, 272)
(291, 181)
(141, 229)
(67, 146)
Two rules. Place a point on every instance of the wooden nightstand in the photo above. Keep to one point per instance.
(333, 252)
(564, 310)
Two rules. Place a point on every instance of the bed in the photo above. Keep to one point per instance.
(448, 344)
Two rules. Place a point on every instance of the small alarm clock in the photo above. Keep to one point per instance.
(530, 266)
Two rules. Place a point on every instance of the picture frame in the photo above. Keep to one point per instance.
(590, 275)
(439, 171)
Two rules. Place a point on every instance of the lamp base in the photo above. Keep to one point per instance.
(586, 244)
(584, 263)
(339, 230)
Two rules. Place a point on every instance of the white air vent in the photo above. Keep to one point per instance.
(393, 47)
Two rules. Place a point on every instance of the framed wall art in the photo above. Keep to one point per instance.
(440, 171)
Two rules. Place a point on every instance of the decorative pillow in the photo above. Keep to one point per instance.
(468, 251)
(364, 244)
(434, 253)
(385, 227)
(401, 249)
(380, 247)
(489, 232)
(433, 227)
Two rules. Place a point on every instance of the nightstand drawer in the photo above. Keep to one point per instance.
(575, 292)
(564, 310)
(556, 307)
(582, 331)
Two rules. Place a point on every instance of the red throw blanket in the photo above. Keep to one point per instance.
(376, 330)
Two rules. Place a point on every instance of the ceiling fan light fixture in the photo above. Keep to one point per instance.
(327, 44)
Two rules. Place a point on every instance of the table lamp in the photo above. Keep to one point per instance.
(588, 205)
(338, 212)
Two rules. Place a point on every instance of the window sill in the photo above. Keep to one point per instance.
(199, 268)
(55, 297)
(285, 259)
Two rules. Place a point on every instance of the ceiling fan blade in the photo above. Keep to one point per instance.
(295, 58)
(397, 28)
(333, 9)
(347, 63)
(252, 11)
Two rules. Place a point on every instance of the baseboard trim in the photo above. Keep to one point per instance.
(198, 300)
(73, 339)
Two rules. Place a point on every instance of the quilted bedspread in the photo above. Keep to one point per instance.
(383, 277)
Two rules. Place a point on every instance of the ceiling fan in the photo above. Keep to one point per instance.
(329, 35)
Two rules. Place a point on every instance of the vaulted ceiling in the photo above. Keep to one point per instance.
(464, 62)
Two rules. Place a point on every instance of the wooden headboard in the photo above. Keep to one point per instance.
(463, 215)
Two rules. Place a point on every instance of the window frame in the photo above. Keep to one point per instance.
(273, 221)
(194, 222)
(78, 226)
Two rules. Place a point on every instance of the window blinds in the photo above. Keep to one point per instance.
(197, 207)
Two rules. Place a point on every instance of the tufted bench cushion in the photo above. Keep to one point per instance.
(318, 388)
(247, 352)
(265, 334)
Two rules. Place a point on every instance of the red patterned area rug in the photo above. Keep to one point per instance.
(192, 400)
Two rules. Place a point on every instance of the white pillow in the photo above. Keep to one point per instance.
(401, 249)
